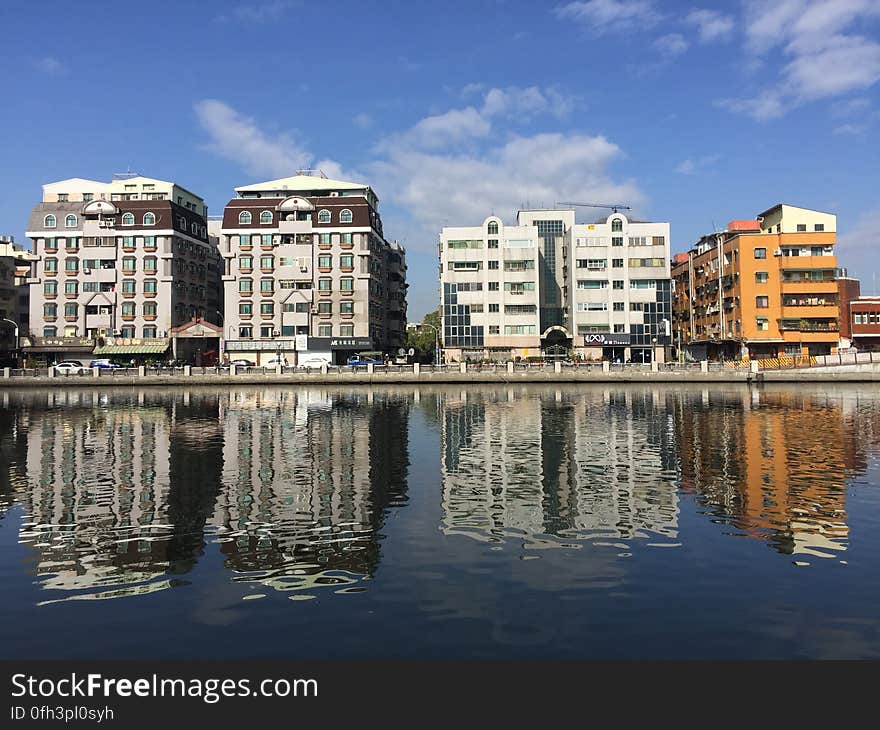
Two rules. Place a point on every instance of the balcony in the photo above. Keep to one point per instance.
(808, 325)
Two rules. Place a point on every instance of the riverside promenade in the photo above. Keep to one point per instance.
(866, 370)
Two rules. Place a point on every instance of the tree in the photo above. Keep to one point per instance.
(422, 339)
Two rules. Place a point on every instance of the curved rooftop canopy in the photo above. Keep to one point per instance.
(100, 207)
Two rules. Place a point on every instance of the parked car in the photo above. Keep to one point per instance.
(103, 362)
(364, 358)
(70, 367)
(314, 361)
(242, 363)
(275, 361)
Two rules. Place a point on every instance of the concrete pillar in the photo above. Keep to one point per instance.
(232, 369)
(753, 366)
(704, 366)
(142, 370)
(7, 372)
(96, 372)
(509, 367)
(51, 372)
(417, 368)
(370, 368)
(323, 368)
(462, 367)
(606, 366)
(187, 370)
(655, 366)
(557, 367)
(279, 368)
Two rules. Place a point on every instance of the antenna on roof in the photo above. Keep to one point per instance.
(311, 173)
(126, 175)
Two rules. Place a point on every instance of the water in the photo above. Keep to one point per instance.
(574, 522)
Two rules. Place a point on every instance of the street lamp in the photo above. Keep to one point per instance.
(654, 350)
(14, 335)
(436, 341)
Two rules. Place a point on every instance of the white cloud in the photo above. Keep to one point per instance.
(850, 130)
(823, 57)
(672, 44)
(363, 120)
(601, 16)
(50, 65)
(526, 102)
(239, 139)
(767, 105)
(711, 25)
(260, 12)
(693, 165)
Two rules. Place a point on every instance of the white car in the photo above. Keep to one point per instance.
(70, 367)
(313, 362)
(275, 362)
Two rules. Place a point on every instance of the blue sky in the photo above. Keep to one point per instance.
(695, 113)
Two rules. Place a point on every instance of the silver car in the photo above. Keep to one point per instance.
(70, 367)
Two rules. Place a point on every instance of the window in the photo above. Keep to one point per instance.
(346, 261)
(347, 239)
(616, 225)
(519, 329)
(149, 219)
(267, 308)
(801, 227)
(246, 332)
(50, 288)
(324, 239)
(493, 308)
(345, 216)
(617, 263)
(819, 227)
(658, 240)
(71, 287)
(346, 284)
(761, 277)
(618, 284)
(71, 266)
(150, 332)
(244, 219)
(128, 309)
(245, 262)
(493, 243)
(128, 263)
(63, 197)
(642, 284)
(267, 263)
(325, 330)
(71, 310)
(267, 286)
(325, 285)
(128, 219)
(246, 308)
(762, 302)
(325, 307)
(494, 329)
(50, 311)
(324, 216)
(591, 284)
(49, 221)
(638, 241)
(266, 218)
(762, 324)
(465, 265)
(50, 265)
(493, 286)
(246, 285)
(88, 197)
(150, 263)
(618, 306)
(325, 261)
(70, 221)
(617, 241)
(647, 262)
(760, 253)
(346, 307)
(492, 228)
(459, 244)
(50, 331)
(493, 264)
(128, 286)
(346, 330)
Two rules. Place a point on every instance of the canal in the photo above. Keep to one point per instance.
(577, 521)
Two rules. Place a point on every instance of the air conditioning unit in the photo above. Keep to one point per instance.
(334, 194)
(777, 252)
(86, 270)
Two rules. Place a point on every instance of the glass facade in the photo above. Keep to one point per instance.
(457, 328)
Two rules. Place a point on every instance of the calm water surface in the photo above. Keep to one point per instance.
(571, 522)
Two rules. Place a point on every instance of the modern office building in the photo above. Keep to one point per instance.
(14, 299)
(760, 288)
(309, 272)
(548, 286)
(117, 265)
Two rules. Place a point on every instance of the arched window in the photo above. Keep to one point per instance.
(345, 216)
(244, 218)
(149, 219)
(182, 223)
(128, 219)
(266, 218)
(616, 225)
(70, 221)
(49, 221)
(492, 229)
(324, 216)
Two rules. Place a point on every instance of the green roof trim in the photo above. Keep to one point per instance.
(153, 348)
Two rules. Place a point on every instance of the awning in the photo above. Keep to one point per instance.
(152, 348)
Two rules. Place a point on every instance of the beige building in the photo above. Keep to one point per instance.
(308, 272)
(548, 286)
(14, 299)
(116, 266)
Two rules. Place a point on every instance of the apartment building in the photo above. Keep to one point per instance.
(761, 288)
(14, 299)
(116, 265)
(308, 271)
(859, 317)
(548, 286)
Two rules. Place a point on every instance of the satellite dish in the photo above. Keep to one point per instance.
(401, 351)
(411, 351)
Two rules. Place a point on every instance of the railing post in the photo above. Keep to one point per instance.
(142, 370)
(606, 366)
(323, 368)
(370, 367)
(417, 368)
(704, 366)
(462, 367)
(7, 372)
(51, 372)
(187, 371)
(557, 367)
(233, 368)
(510, 367)
(96, 372)
(654, 366)
(279, 368)
(753, 366)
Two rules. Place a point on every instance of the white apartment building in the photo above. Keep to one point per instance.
(553, 287)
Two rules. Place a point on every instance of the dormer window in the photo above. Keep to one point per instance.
(345, 216)
(149, 219)
(492, 229)
(616, 225)
(181, 222)
(49, 221)
(266, 218)
(244, 218)
(128, 219)
(324, 216)
(70, 221)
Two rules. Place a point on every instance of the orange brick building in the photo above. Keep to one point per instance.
(761, 288)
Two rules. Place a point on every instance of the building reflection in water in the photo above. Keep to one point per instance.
(551, 466)
(123, 493)
(775, 463)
